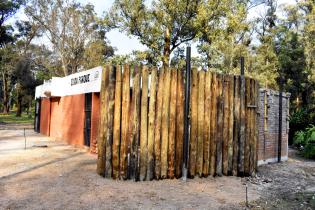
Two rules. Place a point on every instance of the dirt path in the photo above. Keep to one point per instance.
(60, 176)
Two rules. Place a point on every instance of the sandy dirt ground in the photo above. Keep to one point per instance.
(61, 176)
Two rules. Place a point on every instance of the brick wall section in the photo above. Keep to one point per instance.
(67, 119)
(268, 134)
(45, 116)
(95, 121)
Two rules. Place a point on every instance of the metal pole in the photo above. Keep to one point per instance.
(186, 113)
(280, 120)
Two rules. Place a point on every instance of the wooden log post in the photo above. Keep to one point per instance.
(226, 116)
(134, 125)
(201, 116)
(172, 125)
(252, 127)
(231, 125)
(242, 126)
(125, 122)
(150, 163)
(236, 133)
(158, 123)
(220, 109)
(144, 125)
(165, 123)
(207, 124)
(179, 124)
(194, 124)
(117, 123)
(110, 121)
(101, 141)
(257, 117)
(213, 125)
(247, 126)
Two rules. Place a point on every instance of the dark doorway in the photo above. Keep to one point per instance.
(87, 121)
(37, 115)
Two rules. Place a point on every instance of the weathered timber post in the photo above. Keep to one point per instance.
(186, 113)
(242, 120)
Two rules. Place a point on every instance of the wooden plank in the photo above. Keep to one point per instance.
(144, 125)
(257, 117)
(179, 124)
(226, 116)
(101, 141)
(158, 123)
(253, 127)
(247, 127)
(150, 163)
(194, 123)
(117, 122)
(236, 133)
(242, 127)
(213, 125)
(201, 116)
(207, 124)
(231, 125)
(124, 122)
(220, 109)
(134, 125)
(110, 121)
(165, 123)
(172, 125)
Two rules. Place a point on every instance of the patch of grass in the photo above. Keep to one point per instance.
(11, 118)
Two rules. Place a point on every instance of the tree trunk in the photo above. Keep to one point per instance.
(5, 94)
(19, 101)
(167, 48)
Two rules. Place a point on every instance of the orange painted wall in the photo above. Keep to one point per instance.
(45, 116)
(67, 119)
(95, 121)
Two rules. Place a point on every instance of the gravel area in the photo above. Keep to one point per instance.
(49, 174)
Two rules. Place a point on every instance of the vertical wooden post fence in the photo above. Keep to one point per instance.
(141, 132)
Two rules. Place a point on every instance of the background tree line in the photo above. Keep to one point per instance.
(61, 37)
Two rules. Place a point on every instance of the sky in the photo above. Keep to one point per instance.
(126, 44)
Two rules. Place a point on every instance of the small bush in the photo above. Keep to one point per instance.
(306, 140)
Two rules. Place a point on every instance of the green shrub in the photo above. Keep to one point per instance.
(306, 139)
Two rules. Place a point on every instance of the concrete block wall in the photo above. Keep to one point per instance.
(269, 126)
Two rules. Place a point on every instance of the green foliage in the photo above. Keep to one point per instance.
(306, 139)
(11, 118)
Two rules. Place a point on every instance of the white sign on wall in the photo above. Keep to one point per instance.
(79, 83)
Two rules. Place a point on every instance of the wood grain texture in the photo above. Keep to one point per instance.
(165, 123)
(207, 124)
(242, 127)
(226, 116)
(194, 123)
(152, 101)
(158, 123)
(101, 141)
(236, 127)
(124, 122)
(172, 126)
(213, 125)
(201, 116)
(220, 110)
(110, 121)
(231, 125)
(134, 125)
(179, 124)
(117, 123)
(144, 125)
(247, 126)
